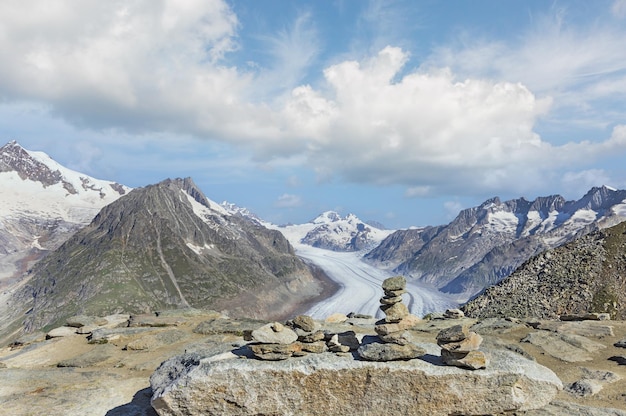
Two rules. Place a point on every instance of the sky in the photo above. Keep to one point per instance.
(402, 112)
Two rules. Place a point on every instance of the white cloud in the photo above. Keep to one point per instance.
(574, 64)
(455, 124)
(288, 201)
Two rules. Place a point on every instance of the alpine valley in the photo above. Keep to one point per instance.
(71, 244)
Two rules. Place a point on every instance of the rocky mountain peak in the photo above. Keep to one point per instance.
(600, 198)
(14, 157)
(41, 168)
(326, 217)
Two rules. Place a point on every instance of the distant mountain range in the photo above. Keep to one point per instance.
(484, 244)
(73, 244)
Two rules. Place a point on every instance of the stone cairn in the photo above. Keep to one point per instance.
(298, 337)
(459, 348)
(392, 330)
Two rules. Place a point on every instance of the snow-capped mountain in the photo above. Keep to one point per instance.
(484, 244)
(43, 203)
(234, 209)
(331, 231)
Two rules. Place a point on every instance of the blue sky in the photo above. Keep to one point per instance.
(402, 112)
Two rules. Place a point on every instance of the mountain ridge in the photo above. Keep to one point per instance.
(484, 244)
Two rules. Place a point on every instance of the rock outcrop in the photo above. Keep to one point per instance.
(108, 371)
(581, 279)
(330, 384)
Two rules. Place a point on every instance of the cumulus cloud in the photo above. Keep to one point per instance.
(575, 64)
(463, 121)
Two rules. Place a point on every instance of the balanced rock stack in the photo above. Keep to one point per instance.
(276, 341)
(459, 348)
(391, 330)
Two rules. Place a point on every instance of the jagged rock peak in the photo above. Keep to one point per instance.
(189, 186)
(39, 167)
(14, 157)
(600, 197)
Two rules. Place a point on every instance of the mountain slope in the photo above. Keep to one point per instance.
(43, 203)
(583, 276)
(484, 244)
(168, 246)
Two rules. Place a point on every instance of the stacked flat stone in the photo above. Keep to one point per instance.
(275, 341)
(459, 348)
(395, 343)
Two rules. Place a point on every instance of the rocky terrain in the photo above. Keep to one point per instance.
(587, 275)
(484, 244)
(113, 366)
(166, 246)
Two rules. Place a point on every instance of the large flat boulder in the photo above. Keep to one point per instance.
(322, 384)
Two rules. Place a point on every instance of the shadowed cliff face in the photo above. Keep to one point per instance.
(584, 276)
(167, 246)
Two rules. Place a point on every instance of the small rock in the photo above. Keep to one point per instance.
(408, 322)
(470, 343)
(621, 343)
(277, 327)
(401, 338)
(394, 283)
(304, 322)
(275, 352)
(455, 333)
(346, 339)
(473, 360)
(377, 351)
(600, 375)
(315, 347)
(62, 331)
(385, 300)
(311, 337)
(454, 314)
(267, 334)
(395, 312)
(336, 318)
(394, 293)
(584, 388)
(352, 315)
